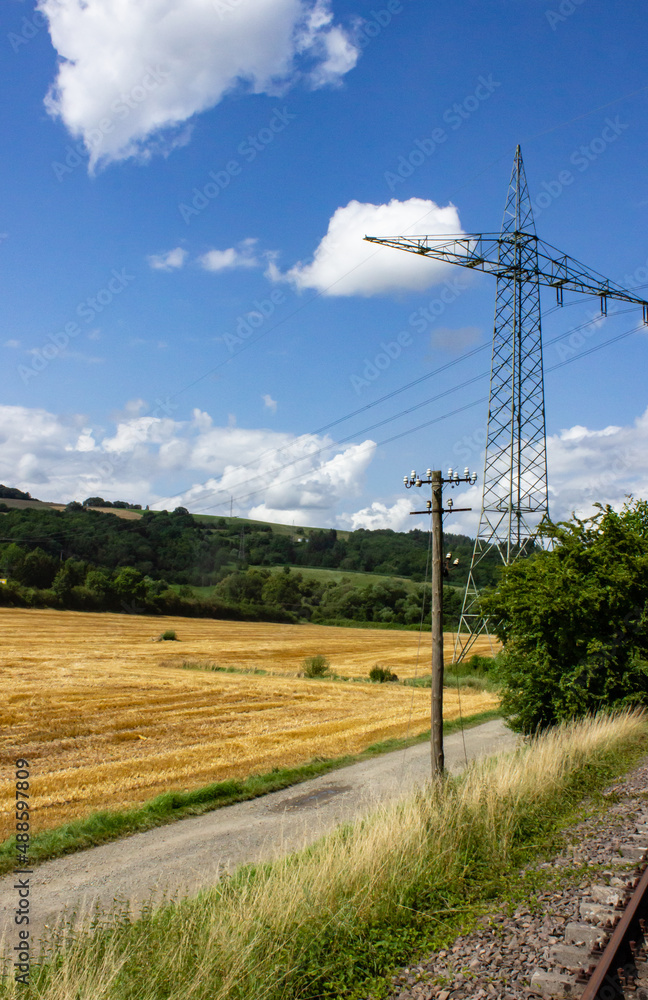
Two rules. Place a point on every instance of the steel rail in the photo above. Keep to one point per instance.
(605, 982)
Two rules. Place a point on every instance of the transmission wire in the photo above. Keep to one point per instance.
(396, 416)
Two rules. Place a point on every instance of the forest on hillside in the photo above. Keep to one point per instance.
(81, 558)
(187, 550)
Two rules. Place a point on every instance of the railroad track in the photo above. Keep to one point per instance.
(604, 955)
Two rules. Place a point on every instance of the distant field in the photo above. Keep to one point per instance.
(278, 529)
(108, 718)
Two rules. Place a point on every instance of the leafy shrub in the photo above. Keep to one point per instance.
(479, 664)
(169, 634)
(574, 621)
(474, 666)
(381, 675)
(315, 666)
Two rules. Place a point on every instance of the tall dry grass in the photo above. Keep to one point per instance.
(350, 906)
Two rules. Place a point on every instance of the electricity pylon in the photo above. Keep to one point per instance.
(515, 499)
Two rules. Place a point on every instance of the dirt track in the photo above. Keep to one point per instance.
(189, 855)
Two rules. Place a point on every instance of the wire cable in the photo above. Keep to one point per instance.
(365, 430)
(434, 420)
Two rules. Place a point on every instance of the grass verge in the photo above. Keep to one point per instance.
(328, 921)
(102, 827)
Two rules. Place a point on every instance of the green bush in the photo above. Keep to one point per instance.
(478, 664)
(169, 634)
(381, 675)
(315, 666)
(574, 621)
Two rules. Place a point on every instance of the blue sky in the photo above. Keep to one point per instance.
(187, 302)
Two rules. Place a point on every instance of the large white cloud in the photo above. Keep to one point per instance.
(307, 479)
(343, 264)
(62, 459)
(588, 466)
(286, 478)
(132, 71)
(381, 515)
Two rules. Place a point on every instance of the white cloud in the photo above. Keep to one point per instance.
(308, 479)
(343, 264)
(221, 260)
(169, 261)
(144, 457)
(132, 74)
(586, 466)
(381, 515)
(85, 441)
(312, 487)
(15, 344)
(269, 402)
(597, 466)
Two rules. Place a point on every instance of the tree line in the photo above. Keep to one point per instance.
(85, 560)
(192, 550)
(36, 579)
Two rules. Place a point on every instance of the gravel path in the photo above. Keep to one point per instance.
(498, 959)
(184, 857)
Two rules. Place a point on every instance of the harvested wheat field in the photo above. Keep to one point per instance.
(108, 718)
(243, 645)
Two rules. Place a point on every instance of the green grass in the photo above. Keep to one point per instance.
(472, 673)
(214, 668)
(383, 626)
(331, 921)
(104, 826)
(322, 575)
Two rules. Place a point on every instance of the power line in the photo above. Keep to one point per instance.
(438, 419)
(396, 437)
(395, 416)
(390, 395)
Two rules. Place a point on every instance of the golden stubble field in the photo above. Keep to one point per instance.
(108, 718)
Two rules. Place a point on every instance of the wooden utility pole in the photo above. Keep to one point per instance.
(439, 569)
(436, 731)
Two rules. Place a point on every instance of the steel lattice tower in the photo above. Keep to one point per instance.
(515, 496)
(515, 492)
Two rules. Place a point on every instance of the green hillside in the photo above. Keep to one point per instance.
(133, 560)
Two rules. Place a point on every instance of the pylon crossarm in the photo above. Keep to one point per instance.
(491, 253)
